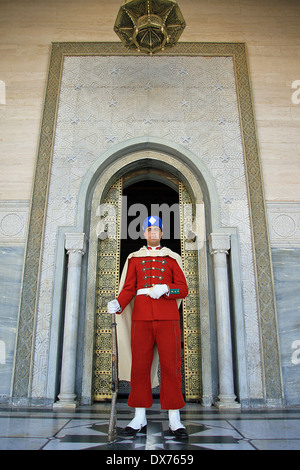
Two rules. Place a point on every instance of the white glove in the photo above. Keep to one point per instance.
(113, 306)
(158, 291)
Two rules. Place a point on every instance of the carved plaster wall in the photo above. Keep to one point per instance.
(196, 99)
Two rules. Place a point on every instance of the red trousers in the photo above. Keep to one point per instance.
(166, 335)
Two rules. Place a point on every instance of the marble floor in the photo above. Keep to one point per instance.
(209, 429)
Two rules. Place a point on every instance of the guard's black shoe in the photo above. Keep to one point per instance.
(180, 433)
(129, 433)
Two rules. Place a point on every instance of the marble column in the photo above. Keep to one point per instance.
(219, 248)
(75, 245)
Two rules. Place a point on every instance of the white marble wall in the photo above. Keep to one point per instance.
(284, 225)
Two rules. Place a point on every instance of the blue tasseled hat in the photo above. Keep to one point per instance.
(152, 221)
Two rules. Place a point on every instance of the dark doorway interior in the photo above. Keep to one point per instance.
(147, 193)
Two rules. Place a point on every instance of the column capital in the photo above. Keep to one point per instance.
(219, 243)
(75, 242)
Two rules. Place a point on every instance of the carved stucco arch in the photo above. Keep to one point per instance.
(114, 160)
(182, 164)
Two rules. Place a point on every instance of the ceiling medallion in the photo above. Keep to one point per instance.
(149, 25)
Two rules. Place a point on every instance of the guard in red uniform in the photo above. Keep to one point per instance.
(158, 283)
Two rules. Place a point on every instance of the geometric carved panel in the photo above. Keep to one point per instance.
(28, 321)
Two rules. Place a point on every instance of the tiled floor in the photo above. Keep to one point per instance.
(208, 429)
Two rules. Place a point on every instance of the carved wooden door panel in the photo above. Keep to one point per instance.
(191, 304)
(107, 284)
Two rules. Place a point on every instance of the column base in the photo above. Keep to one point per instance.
(227, 402)
(65, 402)
(58, 406)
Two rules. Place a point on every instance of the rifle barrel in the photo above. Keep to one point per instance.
(112, 431)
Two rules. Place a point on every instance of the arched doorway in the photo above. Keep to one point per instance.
(142, 197)
(197, 192)
(149, 195)
(204, 247)
(135, 195)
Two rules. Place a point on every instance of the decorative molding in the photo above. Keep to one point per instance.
(13, 222)
(219, 243)
(23, 371)
(75, 242)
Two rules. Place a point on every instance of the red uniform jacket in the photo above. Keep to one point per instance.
(146, 272)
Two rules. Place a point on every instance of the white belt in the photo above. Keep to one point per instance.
(144, 291)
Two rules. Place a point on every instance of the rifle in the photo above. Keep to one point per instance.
(112, 431)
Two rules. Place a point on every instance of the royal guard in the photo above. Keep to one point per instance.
(151, 288)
